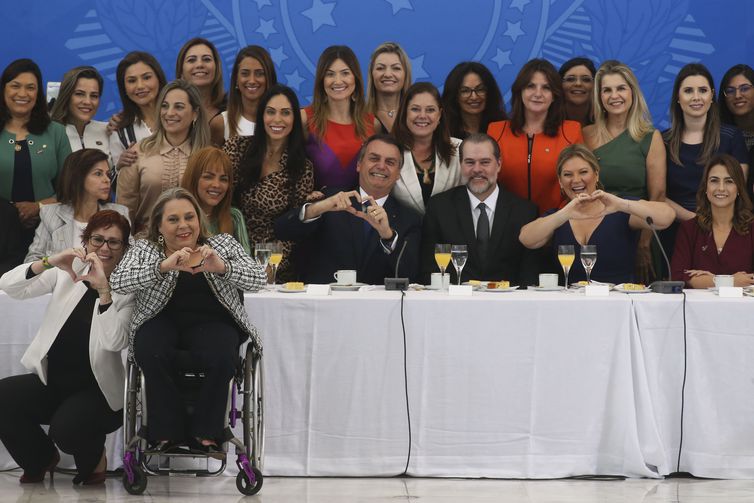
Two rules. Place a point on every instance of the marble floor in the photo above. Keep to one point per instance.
(384, 490)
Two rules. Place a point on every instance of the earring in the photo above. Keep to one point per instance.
(161, 241)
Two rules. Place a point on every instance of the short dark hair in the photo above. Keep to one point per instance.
(480, 138)
(39, 119)
(70, 184)
(105, 219)
(578, 61)
(130, 110)
(385, 138)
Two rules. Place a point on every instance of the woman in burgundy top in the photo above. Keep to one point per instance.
(720, 239)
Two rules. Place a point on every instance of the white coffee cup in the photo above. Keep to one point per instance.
(548, 280)
(436, 280)
(723, 280)
(345, 277)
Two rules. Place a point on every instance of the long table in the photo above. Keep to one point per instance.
(520, 384)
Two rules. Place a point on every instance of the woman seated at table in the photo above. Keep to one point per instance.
(187, 298)
(209, 178)
(430, 155)
(76, 384)
(720, 239)
(594, 217)
(83, 189)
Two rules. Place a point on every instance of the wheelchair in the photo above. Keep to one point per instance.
(139, 460)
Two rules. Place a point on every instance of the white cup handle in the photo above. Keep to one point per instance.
(335, 275)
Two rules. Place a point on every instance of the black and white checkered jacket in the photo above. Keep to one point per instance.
(139, 273)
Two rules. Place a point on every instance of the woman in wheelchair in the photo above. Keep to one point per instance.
(187, 299)
(77, 382)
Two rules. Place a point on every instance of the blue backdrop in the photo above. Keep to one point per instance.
(655, 37)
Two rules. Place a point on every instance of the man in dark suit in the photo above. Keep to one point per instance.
(484, 216)
(363, 229)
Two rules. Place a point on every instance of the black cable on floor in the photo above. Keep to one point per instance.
(683, 386)
(405, 383)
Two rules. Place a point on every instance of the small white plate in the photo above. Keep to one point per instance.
(431, 287)
(577, 285)
(619, 288)
(346, 288)
(538, 288)
(483, 288)
(283, 289)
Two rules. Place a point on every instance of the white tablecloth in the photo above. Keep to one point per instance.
(522, 384)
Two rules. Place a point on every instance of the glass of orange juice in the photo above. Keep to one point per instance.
(442, 257)
(276, 256)
(566, 256)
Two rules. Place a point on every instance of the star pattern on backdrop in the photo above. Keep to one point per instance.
(278, 56)
(417, 68)
(266, 27)
(294, 79)
(320, 14)
(502, 58)
(397, 5)
(514, 31)
(519, 4)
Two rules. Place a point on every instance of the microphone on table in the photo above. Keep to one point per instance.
(397, 283)
(668, 286)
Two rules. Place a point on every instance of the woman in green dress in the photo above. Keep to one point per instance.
(630, 150)
(209, 178)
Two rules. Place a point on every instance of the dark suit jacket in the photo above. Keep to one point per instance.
(448, 220)
(337, 241)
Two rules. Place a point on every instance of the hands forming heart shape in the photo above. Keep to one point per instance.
(95, 274)
(194, 261)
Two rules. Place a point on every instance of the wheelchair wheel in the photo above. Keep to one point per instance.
(130, 410)
(139, 483)
(245, 486)
(253, 408)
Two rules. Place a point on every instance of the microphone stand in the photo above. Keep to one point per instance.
(668, 286)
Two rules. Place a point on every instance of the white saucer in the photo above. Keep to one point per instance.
(619, 288)
(346, 288)
(283, 289)
(483, 288)
(538, 288)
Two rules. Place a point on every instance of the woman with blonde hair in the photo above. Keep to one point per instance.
(77, 104)
(389, 79)
(337, 120)
(594, 216)
(209, 178)
(630, 150)
(163, 156)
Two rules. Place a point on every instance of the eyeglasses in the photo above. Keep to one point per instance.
(731, 91)
(466, 92)
(572, 79)
(114, 244)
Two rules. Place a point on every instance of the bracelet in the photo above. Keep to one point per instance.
(104, 291)
(46, 262)
(40, 204)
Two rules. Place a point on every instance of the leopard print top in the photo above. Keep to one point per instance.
(268, 199)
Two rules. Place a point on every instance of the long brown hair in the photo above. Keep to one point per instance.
(319, 100)
(556, 112)
(217, 92)
(198, 163)
(674, 135)
(440, 137)
(235, 104)
(742, 214)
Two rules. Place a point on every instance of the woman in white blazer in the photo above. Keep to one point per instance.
(77, 104)
(430, 157)
(77, 379)
(83, 190)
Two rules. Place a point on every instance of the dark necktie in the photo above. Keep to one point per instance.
(482, 232)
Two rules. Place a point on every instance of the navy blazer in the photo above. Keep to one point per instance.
(448, 220)
(337, 240)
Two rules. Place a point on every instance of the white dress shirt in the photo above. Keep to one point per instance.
(491, 203)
